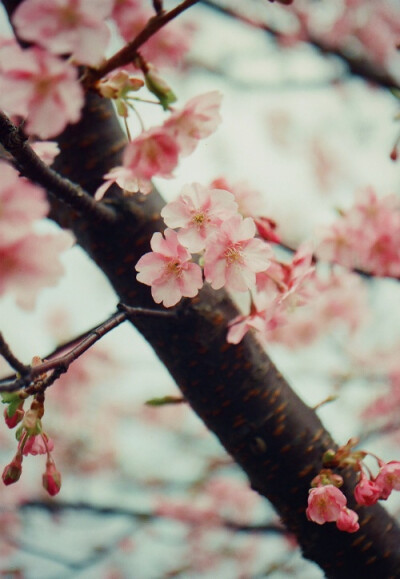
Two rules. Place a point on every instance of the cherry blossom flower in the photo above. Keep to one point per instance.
(39, 444)
(21, 203)
(366, 492)
(325, 504)
(197, 120)
(126, 180)
(73, 27)
(39, 87)
(388, 478)
(153, 152)
(233, 256)
(168, 270)
(198, 211)
(31, 263)
(347, 520)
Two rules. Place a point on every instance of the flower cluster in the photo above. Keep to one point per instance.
(31, 440)
(209, 224)
(28, 261)
(367, 236)
(327, 503)
(155, 152)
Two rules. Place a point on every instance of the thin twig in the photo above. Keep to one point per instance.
(11, 358)
(361, 67)
(32, 167)
(128, 53)
(58, 362)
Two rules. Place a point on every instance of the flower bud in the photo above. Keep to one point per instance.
(12, 471)
(51, 479)
(159, 88)
(13, 420)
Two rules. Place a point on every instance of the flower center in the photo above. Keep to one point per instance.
(174, 267)
(233, 255)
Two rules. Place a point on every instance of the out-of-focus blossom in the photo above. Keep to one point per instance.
(75, 27)
(46, 150)
(40, 87)
(152, 153)
(197, 120)
(21, 203)
(31, 263)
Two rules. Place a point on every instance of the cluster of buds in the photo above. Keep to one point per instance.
(31, 439)
(326, 503)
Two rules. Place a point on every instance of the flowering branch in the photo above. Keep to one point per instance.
(32, 167)
(358, 66)
(128, 53)
(59, 363)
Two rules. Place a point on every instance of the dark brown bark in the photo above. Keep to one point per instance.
(236, 390)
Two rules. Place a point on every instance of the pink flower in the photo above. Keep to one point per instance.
(154, 152)
(31, 263)
(126, 180)
(388, 478)
(197, 120)
(39, 87)
(199, 212)
(168, 270)
(21, 203)
(325, 504)
(366, 492)
(74, 27)
(39, 444)
(233, 256)
(262, 317)
(347, 520)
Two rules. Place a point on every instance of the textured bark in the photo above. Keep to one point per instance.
(236, 390)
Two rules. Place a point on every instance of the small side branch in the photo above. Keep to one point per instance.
(58, 362)
(11, 358)
(32, 167)
(128, 53)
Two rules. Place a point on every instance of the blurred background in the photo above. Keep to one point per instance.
(147, 491)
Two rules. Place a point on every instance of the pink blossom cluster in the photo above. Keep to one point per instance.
(28, 261)
(156, 152)
(326, 503)
(367, 236)
(209, 224)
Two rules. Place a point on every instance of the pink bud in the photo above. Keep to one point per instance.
(388, 478)
(347, 521)
(12, 471)
(12, 421)
(51, 479)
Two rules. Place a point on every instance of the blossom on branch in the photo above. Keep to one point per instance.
(233, 257)
(198, 211)
(169, 271)
(197, 120)
(75, 27)
(39, 87)
(153, 152)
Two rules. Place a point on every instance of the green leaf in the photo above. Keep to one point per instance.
(165, 400)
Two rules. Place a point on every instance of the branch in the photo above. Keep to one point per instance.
(361, 67)
(128, 53)
(60, 506)
(59, 364)
(32, 167)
